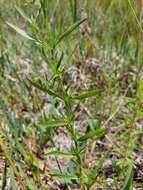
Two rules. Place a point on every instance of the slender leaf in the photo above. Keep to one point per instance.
(94, 133)
(4, 178)
(63, 176)
(44, 3)
(59, 153)
(72, 8)
(129, 178)
(68, 31)
(20, 31)
(60, 61)
(88, 94)
(135, 15)
(54, 123)
(13, 182)
(23, 14)
(75, 10)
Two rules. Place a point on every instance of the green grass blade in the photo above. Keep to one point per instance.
(68, 32)
(60, 61)
(88, 94)
(64, 176)
(75, 10)
(54, 123)
(45, 3)
(135, 15)
(20, 31)
(23, 14)
(72, 8)
(4, 178)
(59, 153)
(129, 178)
(13, 182)
(94, 133)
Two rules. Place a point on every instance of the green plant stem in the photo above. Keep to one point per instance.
(75, 10)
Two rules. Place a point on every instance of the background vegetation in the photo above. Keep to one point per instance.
(71, 94)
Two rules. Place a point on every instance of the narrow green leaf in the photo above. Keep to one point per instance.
(44, 3)
(13, 182)
(135, 15)
(68, 31)
(23, 14)
(20, 31)
(94, 133)
(59, 153)
(60, 61)
(50, 92)
(75, 10)
(129, 178)
(54, 123)
(63, 176)
(88, 94)
(4, 178)
(72, 8)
